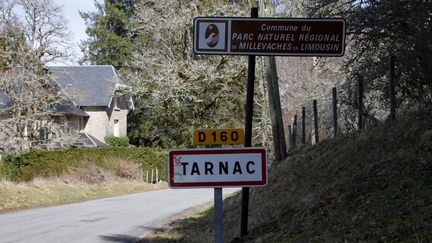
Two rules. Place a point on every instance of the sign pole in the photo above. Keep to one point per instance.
(248, 132)
(218, 214)
(264, 37)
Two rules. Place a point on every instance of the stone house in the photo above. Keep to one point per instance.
(96, 107)
(100, 103)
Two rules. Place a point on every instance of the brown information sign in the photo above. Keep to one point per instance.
(269, 36)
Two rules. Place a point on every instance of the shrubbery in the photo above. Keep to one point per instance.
(42, 163)
(117, 141)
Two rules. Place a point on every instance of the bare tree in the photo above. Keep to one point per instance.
(45, 29)
(302, 79)
(184, 91)
(27, 92)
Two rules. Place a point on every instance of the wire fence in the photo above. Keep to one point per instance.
(332, 115)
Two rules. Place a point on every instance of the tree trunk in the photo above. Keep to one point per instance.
(275, 108)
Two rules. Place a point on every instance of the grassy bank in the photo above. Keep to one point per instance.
(46, 192)
(43, 164)
(42, 178)
(375, 186)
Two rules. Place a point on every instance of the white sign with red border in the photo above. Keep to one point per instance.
(218, 167)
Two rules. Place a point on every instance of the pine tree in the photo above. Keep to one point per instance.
(110, 39)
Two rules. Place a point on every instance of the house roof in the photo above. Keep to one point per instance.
(90, 140)
(68, 108)
(92, 85)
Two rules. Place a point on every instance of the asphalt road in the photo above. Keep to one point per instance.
(116, 219)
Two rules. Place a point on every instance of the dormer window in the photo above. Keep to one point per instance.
(115, 103)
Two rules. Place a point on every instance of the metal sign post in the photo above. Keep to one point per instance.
(265, 37)
(218, 215)
(248, 133)
(218, 194)
(217, 168)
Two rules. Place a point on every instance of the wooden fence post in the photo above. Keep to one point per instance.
(315, 111)
(392, 89)
(303, 125)
(360, 103)
(295, 131)
(290, 137)
(157, 176)
(275, 109)
(335, 118)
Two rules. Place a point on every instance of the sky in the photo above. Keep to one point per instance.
(75, 23)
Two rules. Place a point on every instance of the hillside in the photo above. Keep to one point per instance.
(375, 186)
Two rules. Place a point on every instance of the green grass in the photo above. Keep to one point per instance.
(375, 186)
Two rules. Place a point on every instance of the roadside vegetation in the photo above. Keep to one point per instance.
(54, 191)
(374, 186)
(41, 178)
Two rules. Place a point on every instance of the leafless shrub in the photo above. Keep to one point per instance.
(90, 173)
(128, 170)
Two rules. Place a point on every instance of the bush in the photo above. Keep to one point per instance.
(89, 173)
(10, 166)
(3, 170)
(42, 163)
(117, 141)
(128, 170)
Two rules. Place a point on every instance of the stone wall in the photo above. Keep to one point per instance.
(97, 122)
(101, 121)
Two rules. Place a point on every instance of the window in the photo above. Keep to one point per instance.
(116, 128)
(66, 128)
(25, 132)
(115, 103)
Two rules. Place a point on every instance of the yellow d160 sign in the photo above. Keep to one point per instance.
(218, 136)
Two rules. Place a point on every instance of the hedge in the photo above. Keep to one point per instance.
(117, 141)
(43, 163)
